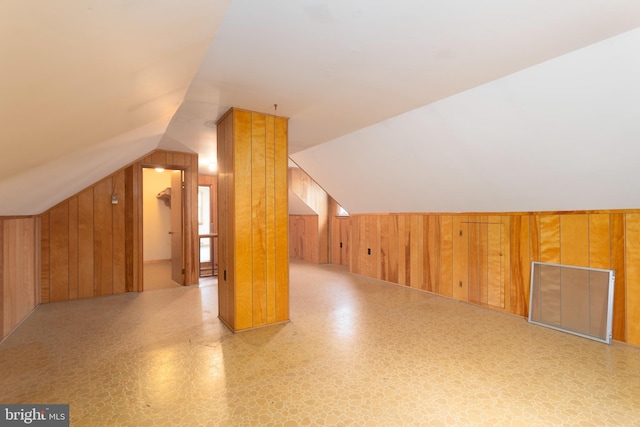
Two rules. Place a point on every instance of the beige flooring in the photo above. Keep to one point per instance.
(356, 352)
(157, 275)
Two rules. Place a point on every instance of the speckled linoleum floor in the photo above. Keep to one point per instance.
(356, 352)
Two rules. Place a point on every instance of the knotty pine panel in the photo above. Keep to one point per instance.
(632, 267)
(461, 258)
(477, 259)
(59, 253)
(373, 236)
(618, 264)
(506, 263)
(574, 240)
(431, 253)
(599, 241)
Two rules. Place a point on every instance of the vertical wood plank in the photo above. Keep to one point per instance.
(632, 267)
(495, 293)
(574, 240)
(506, 263)
(446, 252)
(384, 247)
(129, 228)
(270, 211)
(475, 260)
(259, 218)
(73, 248)
(282, 229)
(618, 264)
(59, 290)
(242, 218)
(535, 237)
(119, 235)
(402, 250)
(520, 265)
(85, 244)
(417, 252)
(394, 249)
(45, 258)
(599, 241)
(550, 238)
(461, 258)
(102, 238)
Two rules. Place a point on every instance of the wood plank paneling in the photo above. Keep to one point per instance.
(85, 244)
(506, 263)
(282, 210)
(259, 218)
(446, 251)
(416, 249)
(394, 249)
(574, 240)
(118, 235)
(599, 241)
(383, 262)
(632, 267)
(618, 264)
(73, 249)
(102, 238)
(242, 218)
(45, 257)
(550, 238)
(461, 258)
(520, 265)
(59, 255)
(270, 208)
(18, 270)
(495, 284)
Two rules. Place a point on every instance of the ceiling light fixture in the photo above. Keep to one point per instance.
(159, 170)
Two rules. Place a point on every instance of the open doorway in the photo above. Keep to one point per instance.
(163, 218)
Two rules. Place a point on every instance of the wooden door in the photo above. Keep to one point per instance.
(177, 264)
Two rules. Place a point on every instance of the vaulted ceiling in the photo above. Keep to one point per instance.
(411, 105)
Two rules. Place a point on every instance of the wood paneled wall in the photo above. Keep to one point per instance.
(486, 259)
(19, 270)
(318, 200)
(253, 269)
(303, 237)
(91, 247)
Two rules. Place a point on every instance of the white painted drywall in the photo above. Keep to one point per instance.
(156, 216)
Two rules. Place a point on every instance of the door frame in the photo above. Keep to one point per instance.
(189, 234)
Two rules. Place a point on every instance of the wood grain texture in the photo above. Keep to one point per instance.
(394, 249)
(259, 218)
(73, 249)
(432, 268)
(599, 241)
(18, 270)
(495, 266)
(85, 244)
(446, 255)
(520, 265)
(242, 218)
(281, 195)
(118, 234)
(618, 264)
(506, 262)
(549, 238)
(383, 260)
(461, 258)
(632, 267)
(270, 206)
(59, 255)
(574, 240)
(45, 257)
(102, 238)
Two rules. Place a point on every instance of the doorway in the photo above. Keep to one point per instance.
(163, 224)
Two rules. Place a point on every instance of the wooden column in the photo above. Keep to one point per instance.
(253, 231)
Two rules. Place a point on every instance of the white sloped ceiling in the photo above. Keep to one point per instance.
(562, 135)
